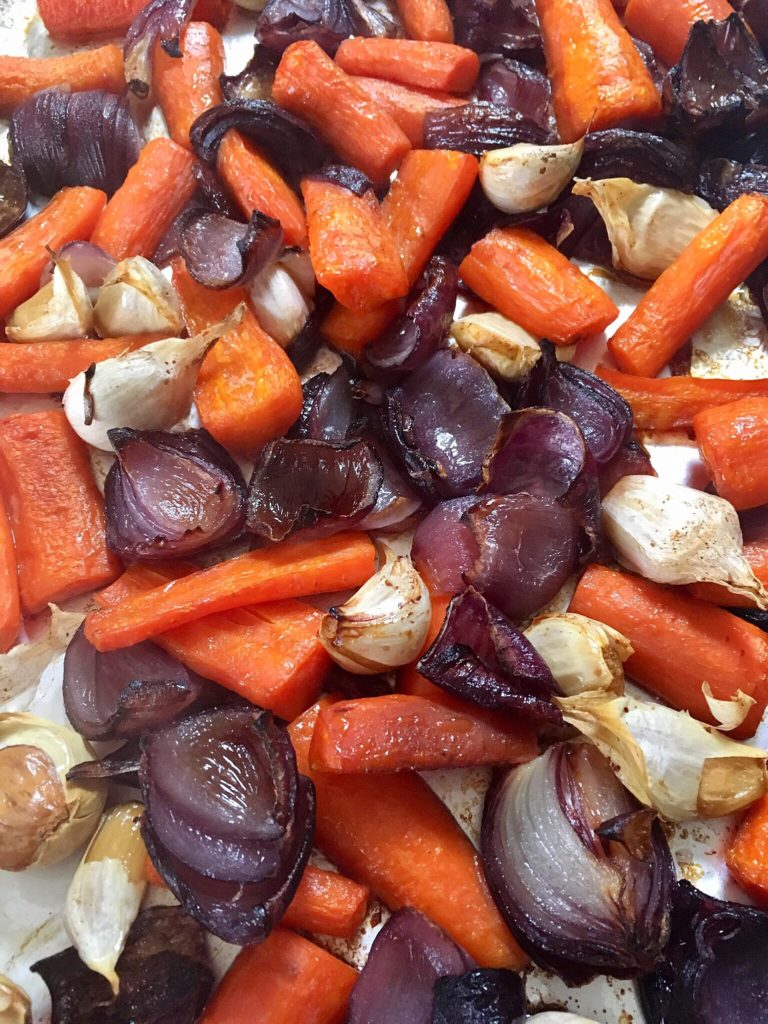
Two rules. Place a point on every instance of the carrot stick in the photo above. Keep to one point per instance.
(756, 553)
(530, 282)
(35, 369)
(411, 62)
(70, 216)
(426, 19)
(669, 403)
(679, 642)
(407, 106)
(90, 19)
(747, 853)
(430, 189)
(269, 653)
(10, 608)
(155, 191)
(285, 980)
(328, 903)
(666, 24)
(704, 274)
(352, 250)
(393, 834)
(55, 510)
(732, 439)
(309, 84)
(257, 185)
(268, 574)
(187, 86)
(202, 306)
(22, 77)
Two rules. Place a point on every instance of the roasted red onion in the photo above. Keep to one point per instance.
(508, 25)
(480, 656)
(444, 548)
(723, 181)
(396, 502)
(222, 253)
(254, 82)
(160, 21)
(91, 264)
(630, 460)
(538, 451)
(641, 156)
(171, 495)
(508, 83)
(484, 996)
(756, 16)
(407, 957)
(477, 127)
(212, 193)
(325, 22)
(123, 763)
(581, 898)
(328, 409)
(13, 197)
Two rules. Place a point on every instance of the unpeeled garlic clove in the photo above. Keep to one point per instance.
(505, 350)
(528, 176)
(136, 298)
(15, 1004)
(581, 654)
(280, 304)
(61, 310)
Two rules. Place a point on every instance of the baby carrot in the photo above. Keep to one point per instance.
(732, 439)
(747, 853)
(88, 19)
(427, 65)
(427, 19)
(756, 553)
(187, 86)
(328, 903)
(407, 106)
(40, 369)
(22, 77)
(666, 24)
(10, 608)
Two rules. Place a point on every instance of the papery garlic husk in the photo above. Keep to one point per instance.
(581, 653)
(60, 311)
(105, 894)
(527, 176)
(137, 298)
(147, 389)
(280, 305)
(675, 534)
(15, 1004)
(384, 625)
(43, 817)
(648, 226)
(671, 762)
(505, 350)
(729, 714)
(22, 666)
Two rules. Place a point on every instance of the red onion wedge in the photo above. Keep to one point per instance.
(325, 22)
(527, 91)
(538, 451)
(396, 503)
(583, 892)
(444, 549)
(641, 156)
(507, 25)
(630, 460)
(477, 127)
(484, 996)
(159, 21)
(13, 197)
(91, 264)
(224, 253)
(328, 409)
(123, 762)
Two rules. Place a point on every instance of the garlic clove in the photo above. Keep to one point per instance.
(581, 654)
(299, 266)
(384, 625)
(528, 176)
(505, 350)
(280, 305)
(61, 310)
(136, 298)
(15, 1004)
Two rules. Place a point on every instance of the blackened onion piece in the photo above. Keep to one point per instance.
(328, 409)
(171, 495)
(345, 176)
(723, 181)
(480, 656)
(508, 25)
(325, 22)
(578, 904)
(755, 13)
(527, 91)
(641, 156)
(13, 197)
(746, 149)
(630, 460)
(407, 957)
(428, 315)
(444, 548)
(160, 21)
(254, 82)
(538, 451)
(477, 127)
(484, 996)
(224, 253)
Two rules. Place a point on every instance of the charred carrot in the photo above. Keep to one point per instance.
(705, 273)
(407, 106)
(187, 86)
(22, 77)
(732, 439)
(756, 553)
(257, 185)
(679, 642)
(10, 608)
(155, 191)
(666, 24)
(55, 510)
(352, 250)
(426, 19)
(328, 903)
(529, 281)
(747, 852)
(430, 189)
(310, 84)
(426, 65)
(285, 980)
(90, 19)
(69, 217)
(34, 369)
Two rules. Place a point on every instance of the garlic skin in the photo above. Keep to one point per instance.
(136, 298)
(15, 1005)
(280, 305)
(582, 654)
(527, 176)
(382, 626)
(648, 226)
(60, 311)
(675, 534)
(729, 713)
(22, 666)
(505, 350)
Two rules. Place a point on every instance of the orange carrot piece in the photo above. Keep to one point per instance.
(679, 642)
(756, 553)
(39, 369)
(328, 903)
(598, 76)
(187, 86)
(257, 185)
(90, 19)
(408, 106)
(308, 83)
(530, 282)
(732, 439)
(268, 574)
(352, 250)
(22, 77)
(155, 191)
(702, 277)
(152, 876)
(55, 510)
(69, 217)
(427, 19)
(285, 980)
(747, 852)
(10, 608)
(666, 24)
(202, 306)
(411, 62)
(431, 187)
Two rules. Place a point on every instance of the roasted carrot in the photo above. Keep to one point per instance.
(22, 77)
(55, 510)
(69, 217)
(704, 274)
(268, 574)
(309, 84)
(756, 553)
(257, 185)
(35, 369)
(598, 76)
(666, 24)
(285, 980)
(529, 281)
(328, 903)
(411, 62)
(679, 642)
(407, 106)
(427, 19)
(90, 19)
(352, 250)
(732, 439)
(203, 306)
(10, 608)
(155, 191)
(187, 86)
(747, 852)
(152, 876)
(430, 189)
